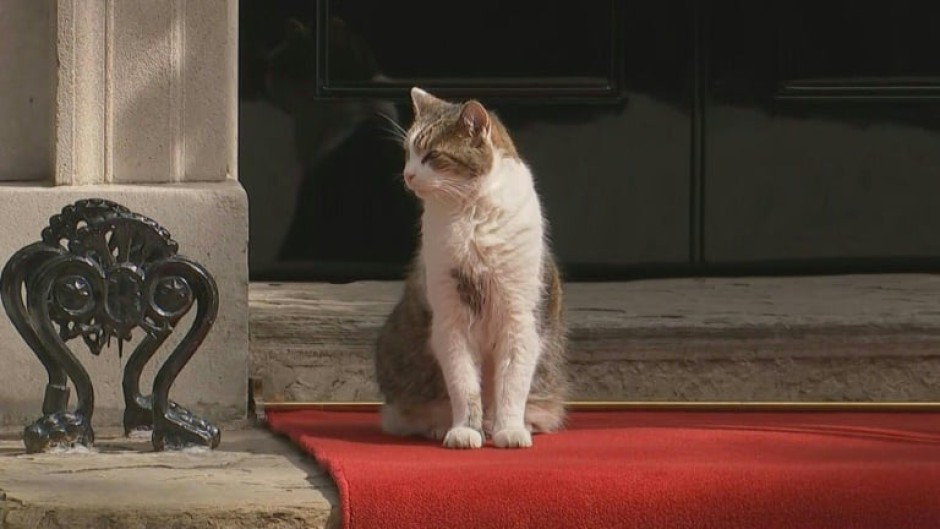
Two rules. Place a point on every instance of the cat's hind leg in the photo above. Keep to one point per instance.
(430, 419)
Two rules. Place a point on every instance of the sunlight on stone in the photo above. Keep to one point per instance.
(70, 450)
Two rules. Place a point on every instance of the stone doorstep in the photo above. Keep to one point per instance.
(255, 479)
(827, 338)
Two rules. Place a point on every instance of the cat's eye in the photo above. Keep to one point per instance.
(431, 155)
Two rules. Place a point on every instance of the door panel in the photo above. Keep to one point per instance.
(598, 99)
(496, 49)
(822, 132)
(857, 49)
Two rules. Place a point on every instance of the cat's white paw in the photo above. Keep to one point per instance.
(512, 438)
(463, 437)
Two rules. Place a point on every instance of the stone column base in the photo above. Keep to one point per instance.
(210, 222)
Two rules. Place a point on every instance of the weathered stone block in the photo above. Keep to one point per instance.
(210, 222)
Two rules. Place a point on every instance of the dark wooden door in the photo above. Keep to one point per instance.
(667, 137)
(597, 97)
(821, 135)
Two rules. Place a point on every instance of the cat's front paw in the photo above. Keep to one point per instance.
(512, 438)
(463, 437)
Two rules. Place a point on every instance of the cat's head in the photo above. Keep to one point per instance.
(450, 147)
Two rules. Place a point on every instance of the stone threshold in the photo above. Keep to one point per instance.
(820, 338)
(254, 479)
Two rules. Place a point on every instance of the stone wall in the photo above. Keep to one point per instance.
(133, 101)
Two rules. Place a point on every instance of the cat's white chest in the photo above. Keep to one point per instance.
(486, 262)
(445, 242)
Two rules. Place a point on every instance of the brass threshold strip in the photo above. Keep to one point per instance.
(658, 406)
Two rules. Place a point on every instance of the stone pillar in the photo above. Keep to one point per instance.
(133, 101)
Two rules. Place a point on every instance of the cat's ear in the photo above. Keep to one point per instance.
(421, 100)
(475, 118)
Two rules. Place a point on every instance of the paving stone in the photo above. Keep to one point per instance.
(253, 480)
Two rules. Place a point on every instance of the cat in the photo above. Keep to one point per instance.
(476, 346)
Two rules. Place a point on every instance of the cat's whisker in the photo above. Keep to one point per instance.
(399, 132)
(397, 126)
(451, 191)
(393, 127)
(392, 133)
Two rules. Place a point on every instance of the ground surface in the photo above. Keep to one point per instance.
(254, 480)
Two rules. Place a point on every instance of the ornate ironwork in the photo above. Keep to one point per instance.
(99, 273)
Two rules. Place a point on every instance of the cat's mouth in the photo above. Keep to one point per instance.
(411, 182)
(417, 189)
(444, 188)
(421, 187)
(429, 191)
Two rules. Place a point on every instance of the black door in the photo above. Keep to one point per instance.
(821, 135)
(668, 137)
(596, 97)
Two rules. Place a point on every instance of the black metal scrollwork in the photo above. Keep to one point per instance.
(100, 272)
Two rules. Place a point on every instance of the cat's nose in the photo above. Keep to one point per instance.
(409, 178)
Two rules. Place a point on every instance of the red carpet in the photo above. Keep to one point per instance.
(648, 470)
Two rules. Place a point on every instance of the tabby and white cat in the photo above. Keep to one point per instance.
(476, 345)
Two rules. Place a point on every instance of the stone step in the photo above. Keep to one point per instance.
(824, 338)
(253, 480)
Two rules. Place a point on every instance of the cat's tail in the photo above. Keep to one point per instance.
(545, 415)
